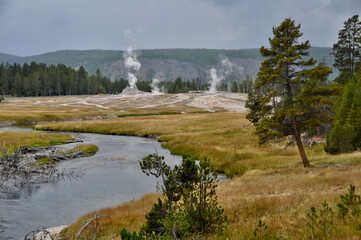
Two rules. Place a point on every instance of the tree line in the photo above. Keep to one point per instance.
(38, 79)
(292, 94)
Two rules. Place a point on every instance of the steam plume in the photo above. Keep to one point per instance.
(215, 80)
(133, 65)
(226, 67)
(154, 85)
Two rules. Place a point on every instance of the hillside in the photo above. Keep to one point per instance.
(164, 63)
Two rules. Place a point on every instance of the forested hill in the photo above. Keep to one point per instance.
(169, 63)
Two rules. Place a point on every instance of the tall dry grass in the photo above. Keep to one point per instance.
(279, 197)
(223, 137)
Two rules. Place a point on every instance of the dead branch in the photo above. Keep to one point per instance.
(15, 170)
(87, 224)
(246, 125)
(59, 158)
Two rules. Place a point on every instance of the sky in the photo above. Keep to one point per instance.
(31, 27)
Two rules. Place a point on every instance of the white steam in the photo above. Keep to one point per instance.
(132, 65)
(215, 80)
(155, 86)
(226, 67)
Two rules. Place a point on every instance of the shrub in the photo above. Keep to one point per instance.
(190, 206)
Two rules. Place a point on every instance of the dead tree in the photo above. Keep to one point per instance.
(89, 223)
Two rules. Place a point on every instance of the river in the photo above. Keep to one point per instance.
(111, 177)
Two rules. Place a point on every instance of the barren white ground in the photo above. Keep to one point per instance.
(209, 102)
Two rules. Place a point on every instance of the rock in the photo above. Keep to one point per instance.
(49, 233)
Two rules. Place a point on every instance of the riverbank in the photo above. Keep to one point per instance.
(109, 178)
(32, 157)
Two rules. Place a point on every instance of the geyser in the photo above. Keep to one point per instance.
(224, 70)
(215, 80)
(132, 65)
(155, 86)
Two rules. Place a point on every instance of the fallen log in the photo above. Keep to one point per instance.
(61, 157)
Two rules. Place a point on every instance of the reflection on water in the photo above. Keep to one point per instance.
(111, 177)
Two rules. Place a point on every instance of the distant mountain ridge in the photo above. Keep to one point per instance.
(162, 63)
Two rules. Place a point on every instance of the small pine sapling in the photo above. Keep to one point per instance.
(350, 203)
(259, 231)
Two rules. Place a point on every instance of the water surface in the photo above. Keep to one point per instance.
(109, 178)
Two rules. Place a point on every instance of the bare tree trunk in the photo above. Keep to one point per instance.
(304, 158)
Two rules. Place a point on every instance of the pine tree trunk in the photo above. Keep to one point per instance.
(304, 158)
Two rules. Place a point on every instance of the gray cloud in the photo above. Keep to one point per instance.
(223, 3)
(38, 26)
(2, 5)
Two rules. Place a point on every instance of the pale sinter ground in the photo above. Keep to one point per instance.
(208, 102)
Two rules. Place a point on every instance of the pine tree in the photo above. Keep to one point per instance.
(234, 86)
(18, 85)
(4, 88)
(346, 133)
(289, 94)
(26, 87)
(347, 49)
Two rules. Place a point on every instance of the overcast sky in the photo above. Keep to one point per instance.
(30, 27)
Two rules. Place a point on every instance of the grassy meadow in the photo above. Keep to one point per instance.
(12, 139)
(225, 138)
(267, 182)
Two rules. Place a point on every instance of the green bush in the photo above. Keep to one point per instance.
(189, 209)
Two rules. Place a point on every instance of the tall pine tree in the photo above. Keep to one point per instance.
(289, 95)
(346, 133)
(347, 49)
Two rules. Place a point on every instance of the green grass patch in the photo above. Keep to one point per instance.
(43, 161)
(12, 140)
(85, 149)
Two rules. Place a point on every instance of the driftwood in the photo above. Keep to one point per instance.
(62, 157)
(39, 234)
(16, 170)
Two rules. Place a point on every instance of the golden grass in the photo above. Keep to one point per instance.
(282, 198)
(85, 149)
(274, 186)
(11, 139)
(128, 215)
(232, 148)
(271, 184)
(279, 197)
